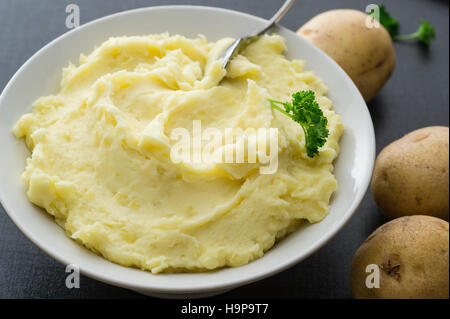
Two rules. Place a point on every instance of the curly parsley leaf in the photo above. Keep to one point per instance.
(304, 110)
(387, 21)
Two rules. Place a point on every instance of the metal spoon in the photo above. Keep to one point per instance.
(241, 43)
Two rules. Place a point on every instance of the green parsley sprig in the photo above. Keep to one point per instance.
(424, 34)
(305, 111)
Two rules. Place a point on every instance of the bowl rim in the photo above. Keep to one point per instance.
(194, 288)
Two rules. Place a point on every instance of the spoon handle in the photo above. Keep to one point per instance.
(240, 43)
(277, 16)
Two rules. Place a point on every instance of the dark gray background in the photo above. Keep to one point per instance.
(415, 96)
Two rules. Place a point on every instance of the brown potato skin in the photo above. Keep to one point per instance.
(411, 175)
(418, 246)
(366, 54)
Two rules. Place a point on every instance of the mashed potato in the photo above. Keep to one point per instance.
(100, 146)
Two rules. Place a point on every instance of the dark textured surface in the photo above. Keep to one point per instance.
(415, 96)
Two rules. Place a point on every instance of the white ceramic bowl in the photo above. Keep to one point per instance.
(40, 75)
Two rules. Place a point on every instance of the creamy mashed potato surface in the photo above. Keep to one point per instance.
(100, 146)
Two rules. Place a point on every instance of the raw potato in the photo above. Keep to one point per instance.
(366, 54)
(411, 175)
(412, 257)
